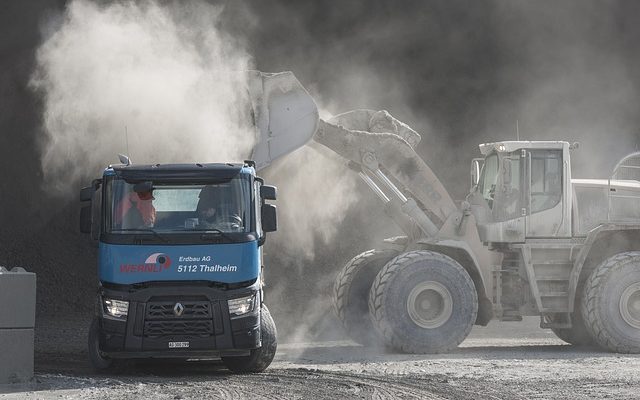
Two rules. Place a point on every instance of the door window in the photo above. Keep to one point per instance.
(546, 179)
(489, 178)
(508, 196)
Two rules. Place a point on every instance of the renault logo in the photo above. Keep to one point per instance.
(178, 309)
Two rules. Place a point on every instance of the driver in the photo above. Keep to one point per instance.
(136, 209)
(211, 214)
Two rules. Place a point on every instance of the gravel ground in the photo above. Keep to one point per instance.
(502, 361)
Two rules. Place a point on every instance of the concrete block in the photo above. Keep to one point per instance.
(17, 298)
(16, 355)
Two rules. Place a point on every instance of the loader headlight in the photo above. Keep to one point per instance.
(241, 305)
(115, 308)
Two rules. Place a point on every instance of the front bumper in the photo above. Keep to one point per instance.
(205, 324)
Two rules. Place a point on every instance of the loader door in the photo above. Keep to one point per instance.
(501, 218)
(546, 199)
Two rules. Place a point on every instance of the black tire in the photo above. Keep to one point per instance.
(351, 294)
(577, 335)
(423, 302)
(260, 358)
(611, 303)
(98, 360)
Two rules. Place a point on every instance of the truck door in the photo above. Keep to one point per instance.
(545, 205)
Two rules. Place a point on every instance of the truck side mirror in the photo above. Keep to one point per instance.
(268, 192)
(85, 219)
(269, 218)
(86, 193)
(91, 212)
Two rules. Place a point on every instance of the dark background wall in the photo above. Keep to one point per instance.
(459, 72)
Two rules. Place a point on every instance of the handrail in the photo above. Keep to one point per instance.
(612, 192)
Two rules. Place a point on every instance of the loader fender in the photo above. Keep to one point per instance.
(463, 254)
(602, 242)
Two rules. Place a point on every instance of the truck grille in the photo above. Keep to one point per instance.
(188, 328)
(164, 310)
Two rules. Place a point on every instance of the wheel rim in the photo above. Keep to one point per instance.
(430, 304)
(630, 305)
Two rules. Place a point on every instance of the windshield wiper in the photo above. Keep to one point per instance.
(155, 233)
(211, 231)
(216, 232)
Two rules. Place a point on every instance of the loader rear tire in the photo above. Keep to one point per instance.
(351, 294)
(577, 335)
(260, 358)
(611, 303)
(423, 302)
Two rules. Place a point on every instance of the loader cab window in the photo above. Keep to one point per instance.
(546, 179)
(508, 196)
(489, 178)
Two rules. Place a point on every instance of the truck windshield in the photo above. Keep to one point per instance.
(175, 208)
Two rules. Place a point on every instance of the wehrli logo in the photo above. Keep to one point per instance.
(156, 262)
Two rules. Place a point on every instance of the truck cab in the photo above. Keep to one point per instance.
(180, 263)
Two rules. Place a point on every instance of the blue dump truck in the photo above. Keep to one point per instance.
(180, 245)
(180, 263)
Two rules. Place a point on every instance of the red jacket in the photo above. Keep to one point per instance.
(143, 202)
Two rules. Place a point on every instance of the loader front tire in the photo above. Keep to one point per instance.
(611, 303)
(260, 358)
(351, 294)
(423, 302)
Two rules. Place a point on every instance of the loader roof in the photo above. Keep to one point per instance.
(513, 145)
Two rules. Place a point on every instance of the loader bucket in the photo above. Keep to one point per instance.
(286, 116)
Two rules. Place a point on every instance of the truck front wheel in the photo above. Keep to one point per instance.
(98, 360)
(423, 302)
(611, 303)
(260, 358)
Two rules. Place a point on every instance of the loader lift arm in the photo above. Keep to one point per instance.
(380, 146)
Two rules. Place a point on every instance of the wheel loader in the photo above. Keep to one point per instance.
(529, 240)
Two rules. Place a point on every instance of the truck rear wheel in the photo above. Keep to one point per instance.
(351, 294)
(260, 358)
(98, 360)
(423, 302)
(611, 303)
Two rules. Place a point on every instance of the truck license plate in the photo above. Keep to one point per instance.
(178, 345)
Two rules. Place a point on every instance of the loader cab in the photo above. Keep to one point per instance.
(522, 191)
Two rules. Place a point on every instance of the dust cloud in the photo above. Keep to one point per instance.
(316, 190)
(460, 73)
(161, 83)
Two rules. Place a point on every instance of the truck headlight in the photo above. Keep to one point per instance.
(115, 308)
(241, 305)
